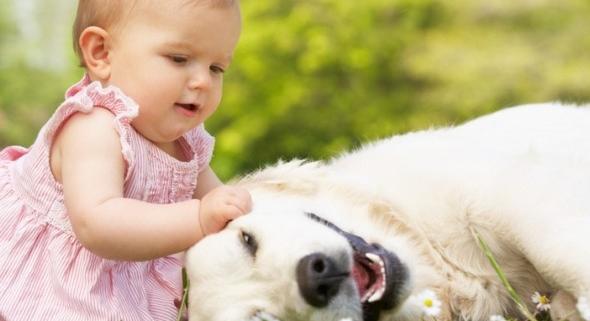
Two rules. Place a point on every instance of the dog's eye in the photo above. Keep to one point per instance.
(249, 242)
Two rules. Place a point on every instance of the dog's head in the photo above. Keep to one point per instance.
(297, 256)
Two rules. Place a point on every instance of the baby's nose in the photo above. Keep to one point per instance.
(200, 80)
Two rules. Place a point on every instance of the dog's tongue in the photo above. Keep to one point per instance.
(361, 278)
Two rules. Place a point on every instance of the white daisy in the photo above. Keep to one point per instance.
(496, 317)
(542, 301)
(346, 319)
(428, 302)
(583, 308)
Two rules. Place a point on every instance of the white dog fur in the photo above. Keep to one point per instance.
(519, 177)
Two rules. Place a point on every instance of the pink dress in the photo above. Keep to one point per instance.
(45, 273)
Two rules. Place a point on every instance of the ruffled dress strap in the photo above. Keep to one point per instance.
(86, 95)
(201, 143)
(12, 153)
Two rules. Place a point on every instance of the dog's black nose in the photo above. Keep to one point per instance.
(319, 279)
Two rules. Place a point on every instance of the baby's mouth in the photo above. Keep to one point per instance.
(189, 107)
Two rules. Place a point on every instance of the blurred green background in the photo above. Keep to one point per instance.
(312, 78)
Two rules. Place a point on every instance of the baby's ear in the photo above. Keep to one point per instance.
(95, 44)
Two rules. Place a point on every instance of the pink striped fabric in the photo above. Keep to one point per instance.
(45, 273)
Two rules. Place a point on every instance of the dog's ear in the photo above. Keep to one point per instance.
(392, 220)
(384, 215)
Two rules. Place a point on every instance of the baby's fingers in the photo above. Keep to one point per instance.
(245, 200)
(241, 200)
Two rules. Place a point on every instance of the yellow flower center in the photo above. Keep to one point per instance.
(428, 303)
(543, 299)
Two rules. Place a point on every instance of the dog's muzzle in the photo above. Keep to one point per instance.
(379, 275)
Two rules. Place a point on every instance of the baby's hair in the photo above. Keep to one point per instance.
(107, 14)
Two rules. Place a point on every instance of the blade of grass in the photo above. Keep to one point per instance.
(183, 303)
(515, 297)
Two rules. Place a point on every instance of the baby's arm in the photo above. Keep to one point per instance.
(206, 182)
(87, 160)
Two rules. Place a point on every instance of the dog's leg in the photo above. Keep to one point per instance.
(556, 240)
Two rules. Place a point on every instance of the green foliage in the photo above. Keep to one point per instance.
(27, 101)
(28, 94)
(312, 78)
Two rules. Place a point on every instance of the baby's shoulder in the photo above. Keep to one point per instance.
(97, 123)
(85, 135)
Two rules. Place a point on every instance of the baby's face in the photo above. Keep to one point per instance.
(169, 56)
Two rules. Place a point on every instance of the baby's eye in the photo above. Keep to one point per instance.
(217, 69)
(178, 59)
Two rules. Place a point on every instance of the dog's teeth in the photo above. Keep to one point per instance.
(378, 294)
(367, 296)
(373, 257)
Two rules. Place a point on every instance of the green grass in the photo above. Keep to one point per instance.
(515, 297)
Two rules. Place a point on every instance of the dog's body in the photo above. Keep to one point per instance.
(519, 178)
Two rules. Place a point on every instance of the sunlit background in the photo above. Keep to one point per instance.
(312, 78)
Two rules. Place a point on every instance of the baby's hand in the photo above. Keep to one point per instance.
(222, 205)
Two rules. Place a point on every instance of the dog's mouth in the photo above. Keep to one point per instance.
(369, 275)
(379, 275)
